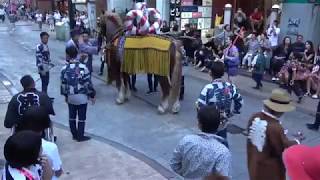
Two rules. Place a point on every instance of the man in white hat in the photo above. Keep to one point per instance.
(267, 139)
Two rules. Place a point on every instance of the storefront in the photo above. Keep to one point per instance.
(197, 13)
(246, 5)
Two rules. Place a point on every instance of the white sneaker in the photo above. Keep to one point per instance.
(277, 79)
(315, 96)
(203, 69)
(274, 79)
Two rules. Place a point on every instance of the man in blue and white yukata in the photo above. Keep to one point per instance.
(43, 61)
(220, 94)
(77, 88)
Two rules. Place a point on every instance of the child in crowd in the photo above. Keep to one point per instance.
(259, 68)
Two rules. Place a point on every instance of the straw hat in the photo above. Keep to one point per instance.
(279, 101)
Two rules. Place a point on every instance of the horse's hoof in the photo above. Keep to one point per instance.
(119, 101)
(176, 108)
(174, 111)
(161, 110)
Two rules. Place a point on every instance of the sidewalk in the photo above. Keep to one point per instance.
(83, 161)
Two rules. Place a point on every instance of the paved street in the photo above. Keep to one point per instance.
(134, 129)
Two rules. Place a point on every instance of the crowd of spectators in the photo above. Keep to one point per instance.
(247, 45)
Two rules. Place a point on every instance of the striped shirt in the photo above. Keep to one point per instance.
(220, 94)
(75, 79)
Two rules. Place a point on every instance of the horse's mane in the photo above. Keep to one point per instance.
(114, 17)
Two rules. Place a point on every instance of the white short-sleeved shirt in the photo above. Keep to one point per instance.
(17, 175)
(51, 150)
(273, 38)
(39, 17)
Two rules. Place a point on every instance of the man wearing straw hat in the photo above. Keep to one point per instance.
(267, 139)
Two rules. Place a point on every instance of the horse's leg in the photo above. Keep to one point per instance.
(165, 89)
(109, 65)
(176, 77)
(121, 90)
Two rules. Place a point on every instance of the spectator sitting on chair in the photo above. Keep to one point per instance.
(253, 46)
(165, 28)
(256, 20)
(280, 56)
(240, 19)
(299, 47)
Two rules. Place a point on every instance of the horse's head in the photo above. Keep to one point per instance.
(110, 24)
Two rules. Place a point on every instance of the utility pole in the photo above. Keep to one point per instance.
(71, 10)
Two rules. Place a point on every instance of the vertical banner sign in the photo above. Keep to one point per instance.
(175, 11)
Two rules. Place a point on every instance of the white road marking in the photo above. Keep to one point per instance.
(6, 83)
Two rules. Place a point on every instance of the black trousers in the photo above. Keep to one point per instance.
(2, 17)
(44, 82)
(81, 112)
(153, 84)
(182, 88)
(224, 134)
(257, 78)
(276, 66)
(102, 67)
(132, 81)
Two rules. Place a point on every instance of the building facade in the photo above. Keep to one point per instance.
(306, 22)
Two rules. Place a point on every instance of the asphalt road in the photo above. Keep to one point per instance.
(136, 124)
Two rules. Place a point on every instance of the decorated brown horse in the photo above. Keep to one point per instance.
(154, 54)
